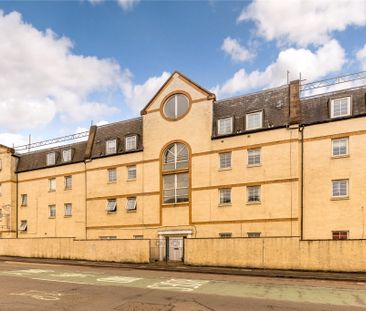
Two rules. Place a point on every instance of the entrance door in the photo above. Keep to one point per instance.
(175, 251)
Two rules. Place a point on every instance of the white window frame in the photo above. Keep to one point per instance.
(332, 103)
(24, 199)
(131, 204)
(111, 206)
(340, 195)
(51, 209)
(248, 115)
(176, 115)
(336, 140)
(131, 172)
(111, 146)
(221, 129)
(51, 158)
(112, 177)
(225, 160)
(52, 184)
(68, 185)
(176, 190)
(66, 155)
(222, 193)
(23, 225)
(258, 190)
(253, 155)
(131, 142)
(68, 209)
(179, 162)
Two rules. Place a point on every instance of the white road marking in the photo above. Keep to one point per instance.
(119, 279)
(183, 285)
(40, 295)
(28, 272)
(70, 275)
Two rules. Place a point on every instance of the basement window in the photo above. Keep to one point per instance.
(23, 225)
(51, 158)
(340, 235)
(225, 235)
(138, 237)
(131, 204)
(254, 234)
(111, 206)
(225, 126)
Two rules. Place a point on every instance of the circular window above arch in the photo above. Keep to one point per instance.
(176, 106)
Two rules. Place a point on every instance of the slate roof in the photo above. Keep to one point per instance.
(118, 130)
(38, 159)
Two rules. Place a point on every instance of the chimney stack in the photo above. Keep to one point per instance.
(295, 105)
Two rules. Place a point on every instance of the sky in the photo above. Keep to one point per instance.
(67, 64)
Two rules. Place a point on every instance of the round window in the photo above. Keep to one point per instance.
(176, 106)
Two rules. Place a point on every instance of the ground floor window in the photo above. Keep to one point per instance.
(340, 235)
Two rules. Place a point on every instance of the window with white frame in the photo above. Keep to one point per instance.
(66, 155)
(254, 156)
(253, 120)
(175, 188)
(51, 158)
(176, 106)
(23, 225)
(254, 234)
(131, 172)
(111, 206)
(111, 146)
(68, 209)
(340, 235)
(52, 211)
(340, 188)
(175, 157)
(68, 182)
(340, 147)
(131, 143)
(340, 107)
(225, 126)
(225, 160)
(112, 175)
(24, 200)
(52, 184)
(131, 204)
(253, 194)
(225, 235)
(225, 196)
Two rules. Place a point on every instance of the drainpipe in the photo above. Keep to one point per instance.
(301, 130)
(16, 205)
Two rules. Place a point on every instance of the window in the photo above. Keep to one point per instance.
(340, 107)
(254, 157)
(112, 175)
(68, 209)
(131, 204)
(253, 120)
(175, 157)
(131, 172)
(225, 235)
(52, 211)
(340, 235)
(111, 146)
(254, 194)
(225, 160)
(131, 143)
(254, 234)
(339, 147)
(111, 206)
(51, 158)
(66, 155)
(176, 106)
(52, 184)
(24, 200)
(225, 196)
(108, 237)
(175, 188)
(225, 126)
(68, 182)
(23, 225)
(138, 237)
(340, 188)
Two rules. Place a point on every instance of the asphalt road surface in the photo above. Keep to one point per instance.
(25, 286)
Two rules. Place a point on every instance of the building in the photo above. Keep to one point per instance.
(267, 164)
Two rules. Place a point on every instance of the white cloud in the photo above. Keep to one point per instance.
(137, 96)
(11, 139)
(41, 78)
(312, 65)
(237, 52)
(303, 22)
(127, 5)
(361, 56)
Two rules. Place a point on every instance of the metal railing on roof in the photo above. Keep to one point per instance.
(331, 84)
(51, 141)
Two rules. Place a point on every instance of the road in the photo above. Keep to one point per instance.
(26, 286)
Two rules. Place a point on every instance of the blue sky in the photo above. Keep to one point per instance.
(105, 59)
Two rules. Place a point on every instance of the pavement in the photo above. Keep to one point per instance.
(179, 267)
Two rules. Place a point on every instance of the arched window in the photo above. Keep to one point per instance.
(175, 171)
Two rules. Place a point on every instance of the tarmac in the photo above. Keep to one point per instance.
(180, 267)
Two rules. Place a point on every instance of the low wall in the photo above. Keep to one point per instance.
(278, 253)
(136, 251)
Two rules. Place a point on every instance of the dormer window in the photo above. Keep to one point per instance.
(253, 120)
(225, 126)
(51, 158)
(111, 146)
(66, 155)
(340, 107)
(131, 143)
